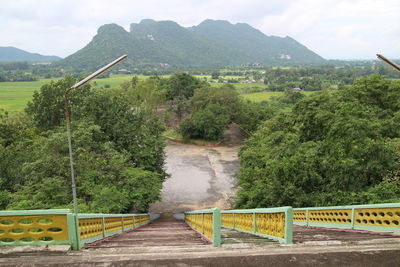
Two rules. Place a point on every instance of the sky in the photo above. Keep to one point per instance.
(334, 29)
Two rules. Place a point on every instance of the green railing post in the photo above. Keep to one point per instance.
(254, 222)
(306, 217)
(352, 217)
(202, 223)
(103, 222)
(216, 227)
(73, 231)
(289, 226)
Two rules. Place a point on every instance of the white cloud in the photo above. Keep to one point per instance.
(332, 28)
(341, 29)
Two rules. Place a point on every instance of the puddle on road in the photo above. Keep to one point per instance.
(201, 177)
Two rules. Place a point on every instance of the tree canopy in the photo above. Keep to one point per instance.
(117, 144)
(332, 148)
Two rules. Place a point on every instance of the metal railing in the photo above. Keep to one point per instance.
(272, 223)
(62, 227)
(207, 223)
(374, 217)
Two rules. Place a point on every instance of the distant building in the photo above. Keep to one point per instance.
(284, 56)
(41, 63)
(124, 71)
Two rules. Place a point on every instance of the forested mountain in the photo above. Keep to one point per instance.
(255, 45)
(210, 44)
(12, 54)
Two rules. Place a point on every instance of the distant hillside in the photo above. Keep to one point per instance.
(11, 54)
(210, 44)
(257, 46)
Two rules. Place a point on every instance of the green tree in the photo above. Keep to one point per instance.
(146, 93)
(181, 85)
(47, 105)
(131, 128)
(106, 180)
(215, 75)
(225, 96)
(118, 152)
(208, 124)
(331, 149)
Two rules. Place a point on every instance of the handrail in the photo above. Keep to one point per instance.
(93, 227)
(372, 217)
(207, 222)
(273, 223)
(61, 226)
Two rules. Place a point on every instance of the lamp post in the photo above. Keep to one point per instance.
(67, 118)
(391, 63)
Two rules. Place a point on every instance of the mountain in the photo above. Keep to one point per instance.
(11, 54)
(257, 46)
(210, 44)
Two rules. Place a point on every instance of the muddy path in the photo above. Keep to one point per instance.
(200, 177)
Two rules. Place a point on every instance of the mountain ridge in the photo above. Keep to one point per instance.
(212, 43)
(13, 54)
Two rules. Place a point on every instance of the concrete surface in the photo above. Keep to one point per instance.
(328, 236)
(201, 177)
(169, 242)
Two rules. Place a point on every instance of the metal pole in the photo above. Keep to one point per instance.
(71, 161)
(67, 118)
(391, 63)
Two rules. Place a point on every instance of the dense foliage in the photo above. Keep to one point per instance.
(208, 123)
(118, 152)
(321, 77)
(332, 148)
(214, 108)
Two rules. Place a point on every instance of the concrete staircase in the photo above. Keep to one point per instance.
(170, 242)
(159, 233)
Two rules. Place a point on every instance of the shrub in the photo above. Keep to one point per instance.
(208, 124)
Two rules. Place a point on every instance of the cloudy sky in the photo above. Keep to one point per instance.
(335, 29)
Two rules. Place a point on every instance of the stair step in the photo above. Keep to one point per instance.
(147, 244)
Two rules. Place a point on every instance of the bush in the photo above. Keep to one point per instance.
(208, 124)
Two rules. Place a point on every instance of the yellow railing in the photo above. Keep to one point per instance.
(97, 226)
(207, 223)
(51, 227)
(274, 223)
(90, 227)
(38, 227)
(375, 217)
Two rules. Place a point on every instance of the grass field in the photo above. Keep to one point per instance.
(261, 96)
(15, 95)
(264, 96)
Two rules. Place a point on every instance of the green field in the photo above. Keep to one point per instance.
(15, 95)
(116, 80)
(264, 96)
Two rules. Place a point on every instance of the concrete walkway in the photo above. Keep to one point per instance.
(173, 243)
(201, 177)
(159, 233)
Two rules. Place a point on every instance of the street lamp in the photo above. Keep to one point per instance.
(391, 63)
(67, 118)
